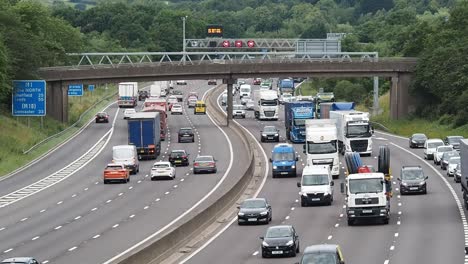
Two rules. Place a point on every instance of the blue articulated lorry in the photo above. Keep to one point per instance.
(295, 115)
(145, 133)
(286, 86)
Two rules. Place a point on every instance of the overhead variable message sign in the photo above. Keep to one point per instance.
(29, 98)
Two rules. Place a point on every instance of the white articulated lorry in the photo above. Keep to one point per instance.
(266, 104)
(354, 131)
(159, 89)
(321, 145)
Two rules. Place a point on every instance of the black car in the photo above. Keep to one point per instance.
(454, 141)
(212, 82)
(269, 133)
(102, 117)
(412, 180)
(323, 254)
(281, 240)
(186, 135)
(417, 140)
(255, 210)
(444, 161)
(142, 95)
(179, 95)
(179, 158)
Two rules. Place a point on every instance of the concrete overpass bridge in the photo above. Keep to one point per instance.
(95, 68)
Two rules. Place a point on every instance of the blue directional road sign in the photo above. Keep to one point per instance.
(91, 87)
(29, 98)
(75, 90)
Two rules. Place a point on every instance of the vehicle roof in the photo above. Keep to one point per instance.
(283, 147)
(411, 167)
(185, 128)
(151, 115)
(432, 140)
(444, 146)
(316, 169)
(419, 134)
(178, 150)
(176, 105)
(320, 248)
(200, 102)
(115, 164)
(123, 147)
(279, 226)
(204, 156)
(162, 162)
(453, 137)
(16, 259)
(255, 199)
(359, 176)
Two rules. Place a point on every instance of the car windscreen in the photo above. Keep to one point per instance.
(185, 131)
(273, 102)
(419, 136)
(123, 153)
(270, 129)
(285, 156)
(411, 175)
(253, 204)
(452, 140)
(321, 148)
(319, 257)
(177, 154)
(311, 180)
(365, 186)
(245, 90)
(434, 144)
(278, 232)
(444, 149)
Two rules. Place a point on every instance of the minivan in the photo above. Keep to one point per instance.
(126, 155)
(284, 160)
(245, 90)
(316, 185)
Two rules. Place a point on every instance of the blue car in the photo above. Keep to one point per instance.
(284, 160)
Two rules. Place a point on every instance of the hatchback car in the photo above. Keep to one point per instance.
(163, 170)
(191, 102)
(128, 113)
(412, 180)
(257, 81)
(439, 152)
(212, 82)
(179, 158)
(20, 260)
(323, 254)
(179, 95)
(269, 133)
(454, 141)
(177, 109)
(249, 104)
(254, 210)
(200, 108)
(417, 140)
(204, 164)
(102, 117)
(245, 99)
(430, 147)
(281, 240)
(453, 164)
(238, 111)
(181, 82)
(171, 100)
(444, 161)
(185, 134)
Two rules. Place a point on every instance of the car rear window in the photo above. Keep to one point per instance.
(204, 159)
(186, 131)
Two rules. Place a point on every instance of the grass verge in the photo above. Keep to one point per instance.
(21, 133)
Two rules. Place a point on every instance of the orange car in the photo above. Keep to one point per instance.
(116, 172)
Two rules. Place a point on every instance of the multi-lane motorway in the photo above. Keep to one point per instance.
(78, 219)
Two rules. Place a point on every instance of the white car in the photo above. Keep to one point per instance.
(163, 170)
(439, 152)
(430, 147)
(286, 98)
(245, 99)
(181, 82)
(171, 100)
(453, 163)
(249, 105)
(177, 109)
(238, 111)
(128, 113)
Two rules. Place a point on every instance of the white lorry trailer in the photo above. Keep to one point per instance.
(128, 94)
(321, 145)
(159, 89)
(354, 131)
(266, 104)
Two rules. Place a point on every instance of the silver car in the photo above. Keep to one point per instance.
(20, 260)
(204, 164)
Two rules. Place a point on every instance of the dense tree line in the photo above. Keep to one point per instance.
(434, 30)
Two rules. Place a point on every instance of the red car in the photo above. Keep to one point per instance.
(102, 117)
(257, 81)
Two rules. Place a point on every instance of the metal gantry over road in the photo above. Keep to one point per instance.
(135, 59)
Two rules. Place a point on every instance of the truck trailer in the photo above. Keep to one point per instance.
(161, 109)
(323, 109)
(128, 94)
(295, 116)
(144, 133)
(354, 131)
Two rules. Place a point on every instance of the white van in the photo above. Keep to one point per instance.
(316, 185)
(224, 97)
(430, 147)
(126, 155)
(245, 90)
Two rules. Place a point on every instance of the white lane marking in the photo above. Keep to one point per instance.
(182, 180)
(167, 192)
(337, 225)
(86, 189)
(157, 200)
(74, 195)
(255, 253)
(120, 194)
(96, 183)
(175, 186)
(3, 228)
(341, 215)
(73, 248)
(78, 217)
(116, 225)
(94, 209)
(108, 201)
(8, 250)
(139, 181)
(396, 234)
(45, 262)
(96, 236)
(24, 219)
(287, 217)
(35, 238)
(398, 223)
(131, 187)
(329, 237)
(221, 181)
(386, 261)
(61, 202)
(43, 210)
(58, 227)
(392, 248)
(146, 207)
(132, 216)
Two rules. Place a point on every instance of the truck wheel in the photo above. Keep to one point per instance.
(106, 182)
(386, 220)
(303, 203)
(384, 160)
(350, 222)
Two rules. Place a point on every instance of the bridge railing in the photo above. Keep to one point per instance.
(135, 59)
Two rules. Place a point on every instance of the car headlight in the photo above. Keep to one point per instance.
(264, 135)
(265, 244)
(404, 184)
(383, 210)
(240, 214)
(275, 167)
(276, 135)
(264, 213)
(293, 166)
(422, 183)
(350, 212)
(290, 243)
(304, 194)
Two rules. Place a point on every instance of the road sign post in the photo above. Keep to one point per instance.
(29, 98)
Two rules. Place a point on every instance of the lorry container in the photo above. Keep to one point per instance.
(143, 133)
(354, 131)
(128, 94)
(286, 86)
(464, 169)
(295, 116)
(266, 104)
(323, 109)
(161, 109)
(321, 145)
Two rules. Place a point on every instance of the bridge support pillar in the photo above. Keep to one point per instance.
(230, 98)
(375, 105)
(57, 101)
(400, 102)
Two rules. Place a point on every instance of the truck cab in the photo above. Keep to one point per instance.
(266, 105)
(366, 197)
(354, 131)
(316, 185)
(245, 90)
(284, 160)
(286, 86)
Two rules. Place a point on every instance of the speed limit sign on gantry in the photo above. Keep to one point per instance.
(226, 44)
(250, 44)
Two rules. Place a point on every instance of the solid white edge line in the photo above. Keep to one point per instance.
(265, 177)
(136, 245)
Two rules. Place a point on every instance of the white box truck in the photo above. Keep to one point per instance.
(128, 94)
(266, 104)
(354, 131)
(321, 145)
(159, 89)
